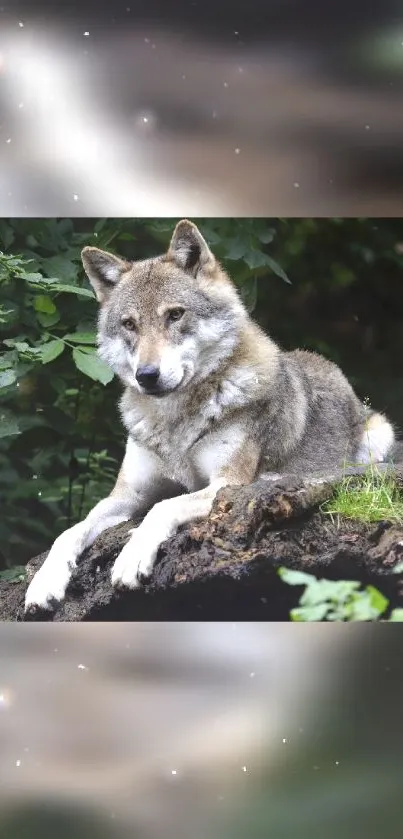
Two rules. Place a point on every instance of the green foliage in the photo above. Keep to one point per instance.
(60, 436)
(336, 600)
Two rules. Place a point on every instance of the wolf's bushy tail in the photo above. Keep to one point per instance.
(378, 439)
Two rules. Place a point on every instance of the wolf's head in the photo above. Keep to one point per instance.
(166, 321)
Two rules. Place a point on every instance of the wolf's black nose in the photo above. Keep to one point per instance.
(147, 375)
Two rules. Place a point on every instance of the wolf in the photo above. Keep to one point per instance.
(209, 400)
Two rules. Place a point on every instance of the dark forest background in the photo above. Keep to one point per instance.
(330, 285)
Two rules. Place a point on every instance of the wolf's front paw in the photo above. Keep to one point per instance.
(48, 587)
(136, 560)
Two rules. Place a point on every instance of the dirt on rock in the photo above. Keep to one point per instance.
(225, 568)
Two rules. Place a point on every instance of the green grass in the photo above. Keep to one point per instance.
(371, 497)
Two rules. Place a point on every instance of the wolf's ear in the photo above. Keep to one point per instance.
(188, 248)
(103, 270)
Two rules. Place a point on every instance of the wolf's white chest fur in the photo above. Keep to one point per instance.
(191, 439)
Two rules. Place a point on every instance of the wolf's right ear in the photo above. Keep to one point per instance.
(103, 269)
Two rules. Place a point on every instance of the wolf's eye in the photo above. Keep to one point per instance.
(129, 324)
(175, 314)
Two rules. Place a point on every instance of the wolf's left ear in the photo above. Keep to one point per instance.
(188, 248)
(103, 269)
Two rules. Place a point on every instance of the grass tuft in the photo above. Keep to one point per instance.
(371, 497)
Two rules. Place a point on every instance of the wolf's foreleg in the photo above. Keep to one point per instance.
(138, 486)
(138, 556)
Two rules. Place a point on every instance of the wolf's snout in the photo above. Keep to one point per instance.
(147, 375)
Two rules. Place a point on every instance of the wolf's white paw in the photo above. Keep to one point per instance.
(136, 559)
(50, 582)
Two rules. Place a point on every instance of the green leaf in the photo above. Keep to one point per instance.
(255, 258)
(48, 320)
(396, 616)
(8, 426)
(43, 303)
(295, 578)
(236, 250)
(266, 235)
(60, 267)
(73, 289)
(52, 350)
(310, 613)
(7, 378)
(377, 600)
(92, 366)
(100, 225)
(32, 278)
(6, 361)
(81, 337)
(276, 268)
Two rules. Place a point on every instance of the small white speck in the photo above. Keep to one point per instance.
(20, 24)
(252, 675)
(18, 763)
(82, 667)
(75, 197)
(296, 184)
(9, 140)
(367, 127)
(21, 105)
(34, 477)
(285, 740)
(337, 762)
(145, 119)
(225, 84)
(86, 34)
(244, 769)
(173, 772)
(146, 40)
(18, 384)
(237, 151)
(39, 494)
